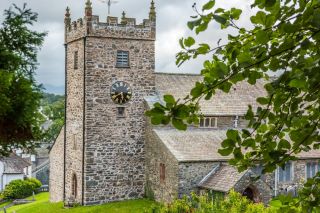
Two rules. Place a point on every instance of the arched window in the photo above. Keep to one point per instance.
(74, 185)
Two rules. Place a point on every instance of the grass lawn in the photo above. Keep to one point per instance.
(42, 205)
(4, 204)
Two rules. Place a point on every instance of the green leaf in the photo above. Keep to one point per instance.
(193, 24)
(189, 42)
(225, 152)
(202, 27)
(249, 115)
(181, 43)
(244, 57)
(157, 119)
(270, 3)
(296, 136)
(169, 99)
(182, 111)
(228, 143)
(220, 19)
(233, 135)
(263, 101)
(284, 144)
(262, 37)
(235, 13)
(275, 203)
(197, 90)
(178, 124)
(298, 83)
(259, 18)
(263, 128)
(249, 143)
(203, 49)
(208, 5)
(225, 87)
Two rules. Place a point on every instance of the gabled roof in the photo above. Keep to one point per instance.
(14, 164)
(222, 179)
(233, 103)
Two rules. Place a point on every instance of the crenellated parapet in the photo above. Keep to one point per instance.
(113, 27)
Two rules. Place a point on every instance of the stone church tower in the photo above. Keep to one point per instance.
(109, 70)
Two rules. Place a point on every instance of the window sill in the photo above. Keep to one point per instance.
(123, 66)
(285, 182)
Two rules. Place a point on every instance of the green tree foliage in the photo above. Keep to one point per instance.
(18, 189)
(19, 94)
(285, 37)
(54, 110)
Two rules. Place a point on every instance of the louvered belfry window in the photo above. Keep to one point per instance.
(122, 58)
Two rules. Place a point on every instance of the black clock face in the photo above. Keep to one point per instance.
(120, 92)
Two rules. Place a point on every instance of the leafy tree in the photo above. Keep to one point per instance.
(54, 110)
(19, 94)
(285, 37)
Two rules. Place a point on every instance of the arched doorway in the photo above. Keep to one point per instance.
(74, 185)
(252, 193)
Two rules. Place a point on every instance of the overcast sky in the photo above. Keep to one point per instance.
(172, 16)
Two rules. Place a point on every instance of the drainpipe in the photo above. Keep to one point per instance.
(276, 183)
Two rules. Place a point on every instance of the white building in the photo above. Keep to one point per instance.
(12, 168)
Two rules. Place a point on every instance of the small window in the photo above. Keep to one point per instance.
(311, 169)
(208, 122)
(74, 185)
(74, 141)
(285, 175)
(162, 172)
(120, 112)
(122, 59)
(76, 60)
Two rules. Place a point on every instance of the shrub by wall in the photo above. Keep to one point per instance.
(233, 203)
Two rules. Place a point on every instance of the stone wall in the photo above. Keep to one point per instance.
(114, 146)
(156, 153)
(74, 121)
(190, 175)
(56, 169)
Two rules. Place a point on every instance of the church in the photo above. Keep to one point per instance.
(109, 151)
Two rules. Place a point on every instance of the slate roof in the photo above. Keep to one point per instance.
(193, 145)
(14, 164)
(233, 103)
(222, 179)
(202, 144)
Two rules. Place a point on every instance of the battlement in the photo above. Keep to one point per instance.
(115, 27)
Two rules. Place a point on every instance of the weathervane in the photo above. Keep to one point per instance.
(109, 2)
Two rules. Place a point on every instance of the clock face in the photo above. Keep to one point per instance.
(120, 92)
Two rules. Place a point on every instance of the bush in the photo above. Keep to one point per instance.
(35, 182)
(233, 203)
(18, 189)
